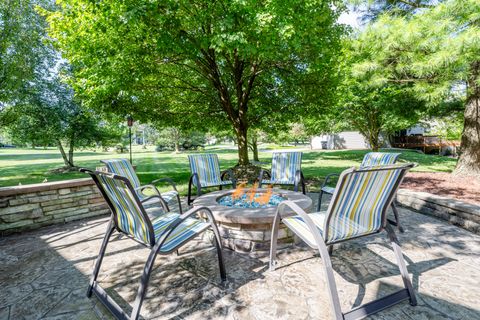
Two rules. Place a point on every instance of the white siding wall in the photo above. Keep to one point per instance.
(341, 140)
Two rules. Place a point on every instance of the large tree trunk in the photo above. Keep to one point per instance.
(242, 144)
(254, 147)
(373, 139)
(64, 155)
(469, 160)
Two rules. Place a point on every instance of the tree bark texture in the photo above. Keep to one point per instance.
(254, 147)
(469, 160)
(64, 155)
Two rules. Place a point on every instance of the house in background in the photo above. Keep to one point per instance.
(416, 137)
(341, 140)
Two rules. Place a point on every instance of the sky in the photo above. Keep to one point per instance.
(350, 18)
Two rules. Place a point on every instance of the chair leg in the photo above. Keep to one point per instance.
(295, 186)
(179, 203)
(189, 195)
(273, 242)
(332, 286)
(147, 269)
(99, 260)
(319, 205)
(218, 246)
(330, 249)
(397, 220)
(401, 264)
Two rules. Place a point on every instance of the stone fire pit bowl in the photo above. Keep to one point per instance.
(249, 229)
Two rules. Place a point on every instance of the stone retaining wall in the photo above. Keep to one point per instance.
(465, 215)
(36, 205)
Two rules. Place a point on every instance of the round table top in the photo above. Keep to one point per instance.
(237, 215)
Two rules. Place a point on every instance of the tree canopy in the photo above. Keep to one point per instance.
(205, 61)
(436, 52)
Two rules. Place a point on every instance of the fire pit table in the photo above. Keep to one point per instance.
(245, 224)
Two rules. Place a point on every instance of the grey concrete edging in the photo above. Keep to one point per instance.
(456, 212)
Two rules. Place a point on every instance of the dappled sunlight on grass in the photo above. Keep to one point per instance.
(34, 165)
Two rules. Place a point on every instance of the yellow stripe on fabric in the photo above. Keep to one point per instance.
(359, 198)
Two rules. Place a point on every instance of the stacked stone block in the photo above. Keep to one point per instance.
(456, 212)
(33, 206)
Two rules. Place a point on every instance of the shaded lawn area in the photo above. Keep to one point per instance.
(27, 166)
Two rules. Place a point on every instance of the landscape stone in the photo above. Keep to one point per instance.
(46, 272)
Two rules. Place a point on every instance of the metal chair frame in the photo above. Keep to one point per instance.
(330, 176)
(299, 179)
(324, 248)
(151, 186)
(195, 181)
(155, 247)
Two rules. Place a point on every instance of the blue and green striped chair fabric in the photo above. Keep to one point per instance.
(370, 159)
(357, 207)
(129, 216)
(122, 167)
(373, 159)
(360, 202)
(285, 165)
(185, 231)
(207, 168)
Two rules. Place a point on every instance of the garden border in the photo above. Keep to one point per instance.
(27, 207)
(456, 212)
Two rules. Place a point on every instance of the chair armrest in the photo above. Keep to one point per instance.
(328, 177)
(232, 177)
(262, 172)
(306, 218)
(162, 201)
(228, 172)
(179, 220)
(165, 179)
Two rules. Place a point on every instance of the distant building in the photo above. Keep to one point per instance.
(341, 140)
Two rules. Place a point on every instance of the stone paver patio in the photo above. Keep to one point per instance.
(44, 275)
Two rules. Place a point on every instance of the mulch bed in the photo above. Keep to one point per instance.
(444, 184)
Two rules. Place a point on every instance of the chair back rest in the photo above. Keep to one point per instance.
(360, 201)
(122, 167)
(207, 168)
(373, 159)
(285, 165)
(129, 215)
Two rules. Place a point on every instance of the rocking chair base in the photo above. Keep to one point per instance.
(107, 301)
(377, 305)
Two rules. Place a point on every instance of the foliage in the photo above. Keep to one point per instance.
(293, 133)
(373, 108)
(436, 51)
(202, 64)
(372, 9)
(23, 50)
(174, 139)
(448, 127)
(50, 116)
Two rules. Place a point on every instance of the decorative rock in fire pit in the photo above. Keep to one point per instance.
(245, 218)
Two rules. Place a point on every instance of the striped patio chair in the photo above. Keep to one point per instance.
(162, 235)
(358, 208)
(205, 169)
(286, 170)
(371, 159)
(122, 167)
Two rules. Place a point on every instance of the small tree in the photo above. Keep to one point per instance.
(50, 116)
(436, 51)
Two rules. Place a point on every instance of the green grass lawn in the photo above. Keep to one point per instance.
(27, 166)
